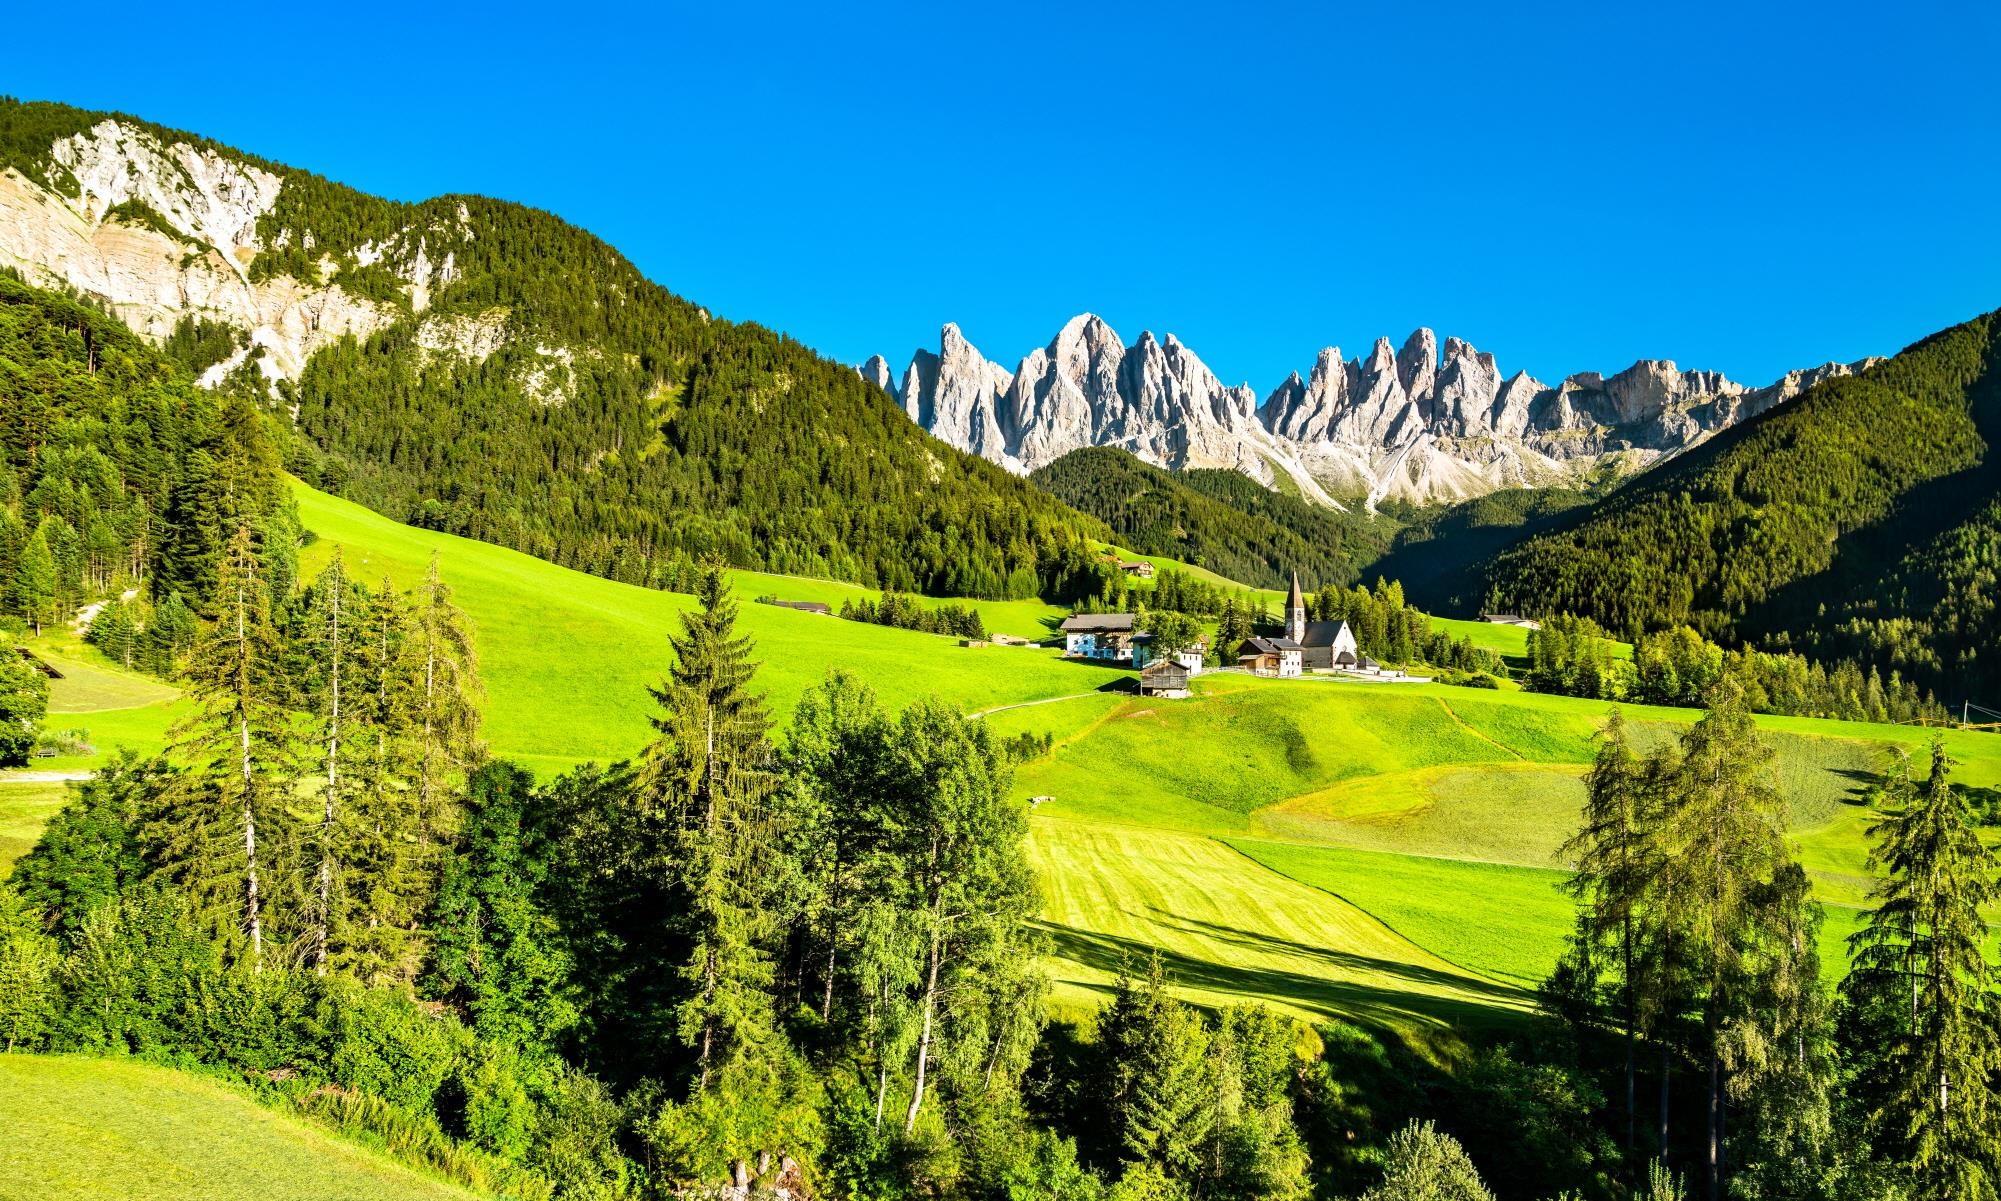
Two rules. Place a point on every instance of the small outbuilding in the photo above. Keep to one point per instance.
(1510, 619)
(1164, 678)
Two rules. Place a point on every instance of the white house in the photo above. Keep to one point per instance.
(1271, 657)
(1100, 636)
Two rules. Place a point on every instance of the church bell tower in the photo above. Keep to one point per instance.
(1295, 612)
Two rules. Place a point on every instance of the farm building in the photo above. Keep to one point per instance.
(1099, 636)
(1510, 619)
(1270, 657)
(1164, 678)
(801, 606)
(1140, 568)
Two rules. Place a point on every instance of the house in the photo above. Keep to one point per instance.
(1191, 657)
(802, 606)
(1270, 657)
(1141, 568)
(1510, 619)
(1164, 678)
(1323, 645)
(1099, 636)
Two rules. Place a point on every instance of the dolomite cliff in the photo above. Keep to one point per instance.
(1421, 422)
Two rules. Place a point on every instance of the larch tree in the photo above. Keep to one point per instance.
(219, 828)
(956, 846)
(447, 694)
(1921, 959)
(330, 643)
(389, 877)
(1723, 842)
(1614, 859)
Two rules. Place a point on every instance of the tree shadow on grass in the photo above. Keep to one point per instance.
(1408, 997)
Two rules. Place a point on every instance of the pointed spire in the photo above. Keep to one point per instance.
(1295, 611)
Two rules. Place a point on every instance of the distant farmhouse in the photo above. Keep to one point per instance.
(1140, 568)
(1113, 637)
(803, 606)
(1509, 619)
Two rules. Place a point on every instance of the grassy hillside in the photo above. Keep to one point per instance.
(94, 1128)
(567, 657)
(1436, 811)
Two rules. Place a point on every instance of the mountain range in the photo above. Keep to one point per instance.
(1423, 422)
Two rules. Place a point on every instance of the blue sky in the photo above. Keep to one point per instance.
(1744, 187)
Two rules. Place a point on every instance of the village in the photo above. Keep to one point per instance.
(1305, 648)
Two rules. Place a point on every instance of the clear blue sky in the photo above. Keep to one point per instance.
(1746, 187)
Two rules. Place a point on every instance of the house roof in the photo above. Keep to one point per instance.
(1265, 646)
(1163, 666)
(1098, 623)
(1322, 633)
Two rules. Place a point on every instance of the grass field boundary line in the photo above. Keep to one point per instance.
(1371, 914)
(1330, 846)
(1481, 735)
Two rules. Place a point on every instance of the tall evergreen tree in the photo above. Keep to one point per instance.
(1722, 841)
(35, 581)
(709, 776)
(218, 830)
(329, 645)
(1920, 959)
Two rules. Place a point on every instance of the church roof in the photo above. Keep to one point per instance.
(1322, 633)
(1296, 600)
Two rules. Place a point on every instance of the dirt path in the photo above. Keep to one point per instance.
(44, 777)
(1047, 700)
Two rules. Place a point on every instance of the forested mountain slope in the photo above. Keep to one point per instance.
(1217, 519)
(484, 368)
(1861, 519)
(114, 467)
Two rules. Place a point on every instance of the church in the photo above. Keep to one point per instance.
(1306, 646)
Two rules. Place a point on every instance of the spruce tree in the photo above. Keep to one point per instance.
(1920, 959)
(708, 777)
(218, 830)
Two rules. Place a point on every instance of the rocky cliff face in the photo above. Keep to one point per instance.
(1418, 422)
(160, 230)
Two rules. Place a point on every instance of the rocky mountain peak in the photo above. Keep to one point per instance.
(1422, 422)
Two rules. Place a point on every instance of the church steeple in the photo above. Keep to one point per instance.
(1295, 612)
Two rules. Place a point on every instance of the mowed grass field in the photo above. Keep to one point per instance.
(1437, 811)
(80, 1129)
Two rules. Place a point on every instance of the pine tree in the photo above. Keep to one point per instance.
(1921, 959)
(709, 776)
(218, 829)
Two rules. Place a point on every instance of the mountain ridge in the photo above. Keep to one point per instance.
(1424, 422)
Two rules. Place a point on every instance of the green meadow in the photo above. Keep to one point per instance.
(108, 1128)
